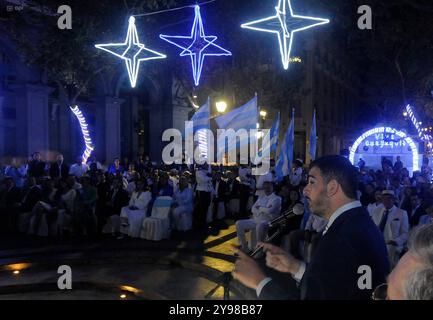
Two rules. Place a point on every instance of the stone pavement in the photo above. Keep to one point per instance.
(188, 266)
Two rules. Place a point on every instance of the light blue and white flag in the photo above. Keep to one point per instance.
(200, 124)
(244, 117)
(272, 144)
(313, 138)
(285, 158)
(201, 118)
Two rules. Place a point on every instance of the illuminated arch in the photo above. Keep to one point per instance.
(400, 134)
(85, 132)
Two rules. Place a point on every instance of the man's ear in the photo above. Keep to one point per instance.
(332, 188)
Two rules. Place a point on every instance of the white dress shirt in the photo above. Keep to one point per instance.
(204, 183)
(296, 176)
(260, 181)
(266, 207)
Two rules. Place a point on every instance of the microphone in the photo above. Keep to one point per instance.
(298, 210)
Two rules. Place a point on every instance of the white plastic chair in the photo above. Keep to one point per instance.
(157, 226)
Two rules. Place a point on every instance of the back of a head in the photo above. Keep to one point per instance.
(340, 169)
(419, 283)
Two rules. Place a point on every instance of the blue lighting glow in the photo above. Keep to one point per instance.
(197, 46)
(285, 26)
(131, 51)
(417, 124)
(387, 130)
(85, 132)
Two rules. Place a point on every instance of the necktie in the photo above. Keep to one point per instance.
(383, 221)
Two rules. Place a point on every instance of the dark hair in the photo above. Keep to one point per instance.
(340, 169)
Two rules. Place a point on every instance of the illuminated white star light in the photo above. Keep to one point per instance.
(197, 46)
(131, 51)
(285, 26)
(85, 132)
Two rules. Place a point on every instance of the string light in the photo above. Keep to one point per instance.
(84, 130)
(285, 27)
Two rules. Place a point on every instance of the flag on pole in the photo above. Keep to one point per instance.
(244, 117)
(313, 138)
(272, 142)
(200, 123)
(285, 158)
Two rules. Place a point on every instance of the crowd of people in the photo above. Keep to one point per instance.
(53, 199)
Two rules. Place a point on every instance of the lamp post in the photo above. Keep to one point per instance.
(221, 106)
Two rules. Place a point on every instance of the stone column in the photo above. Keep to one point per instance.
(112, 128)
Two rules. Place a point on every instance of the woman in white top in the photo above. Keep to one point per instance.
(132, 215)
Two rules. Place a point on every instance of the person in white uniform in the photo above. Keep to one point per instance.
(132, 215)
(183, 206)
(393, 222)
(266, 208)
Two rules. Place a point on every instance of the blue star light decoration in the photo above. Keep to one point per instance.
(285, 25)
(197, 46)
(131, 51)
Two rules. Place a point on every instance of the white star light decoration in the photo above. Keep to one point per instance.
(197, 46)
(285, 26)
(131, 51)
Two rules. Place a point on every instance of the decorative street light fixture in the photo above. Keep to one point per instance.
(221, 106)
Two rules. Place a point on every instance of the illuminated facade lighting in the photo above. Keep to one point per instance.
(388, 130)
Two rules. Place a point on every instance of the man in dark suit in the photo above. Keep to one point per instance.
(350, 242)
(220, 193)
(59, 169)
(9, 204)
(417, 210)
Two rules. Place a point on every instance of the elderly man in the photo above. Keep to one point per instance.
(266, 208)
(394, 225)
(412, 278)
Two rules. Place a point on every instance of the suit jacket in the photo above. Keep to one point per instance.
(414, 218)
(120, 200)
(233, 189)
(352, 241)
(396, 227)
(55, 172)
(221, 193)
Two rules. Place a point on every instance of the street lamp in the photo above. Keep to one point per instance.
(221, 106)
(263, 114)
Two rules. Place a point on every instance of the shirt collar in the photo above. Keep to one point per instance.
(340, 211)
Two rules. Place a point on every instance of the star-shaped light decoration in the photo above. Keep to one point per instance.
(285, 26)
(197, 46)
(131, 51)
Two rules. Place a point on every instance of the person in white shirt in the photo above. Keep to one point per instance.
(260, 191)
(183, 206)
(203, 193)
(174, 179)
(394, 224)
(266, 208)
(296, 173)
(79, 168)
(132, 216)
